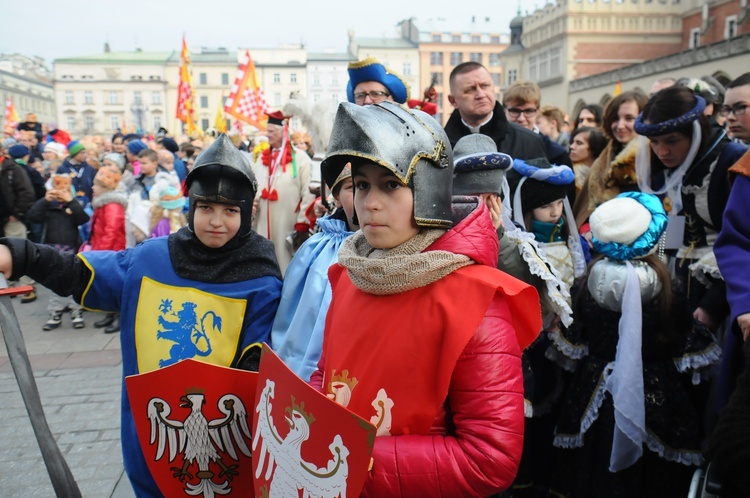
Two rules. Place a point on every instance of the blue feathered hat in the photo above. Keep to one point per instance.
(372, 70)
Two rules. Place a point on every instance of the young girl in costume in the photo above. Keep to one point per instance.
(215, 265)
(166, 212)
(627, 422)
(297, 334)
(424, 335)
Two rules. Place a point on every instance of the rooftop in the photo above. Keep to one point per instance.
(135, 57)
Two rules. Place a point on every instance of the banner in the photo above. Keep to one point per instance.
(11, 117)
(246, 101)
(185, 93)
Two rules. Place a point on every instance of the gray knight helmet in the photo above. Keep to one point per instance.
(222, 174)
(409, 143)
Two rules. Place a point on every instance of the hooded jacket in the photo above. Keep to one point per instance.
(15, 187)
(476, 439)
(108, 221)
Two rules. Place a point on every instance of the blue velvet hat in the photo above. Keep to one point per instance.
(371, 70)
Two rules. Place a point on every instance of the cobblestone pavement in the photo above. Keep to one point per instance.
(78, 373)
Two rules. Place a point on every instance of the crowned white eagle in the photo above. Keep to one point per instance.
(201, 441)
(283, 456)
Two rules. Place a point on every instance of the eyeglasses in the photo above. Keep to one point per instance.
(515, 111)
(375, 96)
(737, 109)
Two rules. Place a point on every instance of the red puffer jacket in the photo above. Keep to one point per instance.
(108, 222)
(475, 444)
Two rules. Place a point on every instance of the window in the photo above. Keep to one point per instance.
(88, 97)
(68, 97)
(316, 97)
(157, 122)
(475, 57)
(436, 58)
(495, 39)
(114, 97)
(456, 58)
(88, 122)
(437, 78)
(335, 97)
(224, 79)
(456, 38)
(277, 77)
(204, 102)
(476, 39)
(276, 99)
(730, 27)
(554, 62)
(114, 122)
(204, 124)
(335, 79)
(203, 79)
(293, 78)
(494, 60)
(543, 66)
(437, 38)
(71, 122)
(137, 97)
(495, 78)
(156, 98)
(407, 69)
(316, 79)
(533, 69)
(695, 38)
(512, 76)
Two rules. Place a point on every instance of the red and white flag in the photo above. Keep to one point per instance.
(185, 94)
(246, 100)
(11, 117)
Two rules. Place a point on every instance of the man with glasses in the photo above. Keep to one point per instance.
(371, 83)
(521, 102)
(736, 101)
(477, 111)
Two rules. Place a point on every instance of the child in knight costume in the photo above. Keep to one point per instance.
(424, 335)
(481, 170)
(216, 266)
(626, 422)
(297, 333)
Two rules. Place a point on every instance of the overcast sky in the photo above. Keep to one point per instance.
(54, 29)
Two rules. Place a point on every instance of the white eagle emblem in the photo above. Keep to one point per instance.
(283, 456)
(200, 441)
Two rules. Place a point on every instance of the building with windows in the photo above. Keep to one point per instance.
(282, 72)
(444, 44)
(28, 83)
(327, 76)
(102, 93)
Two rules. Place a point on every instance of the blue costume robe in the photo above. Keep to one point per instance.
(156, 307)
(297, 334)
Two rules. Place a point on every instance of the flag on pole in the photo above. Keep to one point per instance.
(220, 124)
(185, 94)
(11, 117)
(246, 101)
(618, 89)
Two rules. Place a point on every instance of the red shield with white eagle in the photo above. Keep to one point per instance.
(193, 421)
(305, 444)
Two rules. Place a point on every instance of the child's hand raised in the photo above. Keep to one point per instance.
(496, 209)
(64, 195)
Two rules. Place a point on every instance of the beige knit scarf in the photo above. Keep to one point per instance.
(400, 269)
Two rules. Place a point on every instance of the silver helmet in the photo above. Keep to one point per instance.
(409, 143)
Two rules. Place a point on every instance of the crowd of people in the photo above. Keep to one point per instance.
(542, 306)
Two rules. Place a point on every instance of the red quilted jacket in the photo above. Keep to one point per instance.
(475, 444)
(108, 222)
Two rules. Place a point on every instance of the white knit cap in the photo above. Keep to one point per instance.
(620, 220)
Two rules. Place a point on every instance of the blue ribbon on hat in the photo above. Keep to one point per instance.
(555, 174)
(658, 129)
(643, 244)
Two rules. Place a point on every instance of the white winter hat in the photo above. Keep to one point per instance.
(621, 220)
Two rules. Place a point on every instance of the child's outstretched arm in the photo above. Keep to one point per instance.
(65, 275)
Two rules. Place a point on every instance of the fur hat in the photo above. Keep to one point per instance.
(372, 70)
(136, 146)
(18, 151)
(628, 226)
(478, 167)
(55, 147)
(75, 147)
(116, 158)
(166, 192)
(108, 176)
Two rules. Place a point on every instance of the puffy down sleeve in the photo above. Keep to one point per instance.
(480, 454)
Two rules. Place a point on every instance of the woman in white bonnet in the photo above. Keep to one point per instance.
(627, 425)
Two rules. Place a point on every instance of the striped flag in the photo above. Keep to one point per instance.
(246, 101)
(185, 94)
(11, 117)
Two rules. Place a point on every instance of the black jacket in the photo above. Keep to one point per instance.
(61, 221)
(511, 139)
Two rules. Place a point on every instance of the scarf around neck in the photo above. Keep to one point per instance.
(400, 269)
